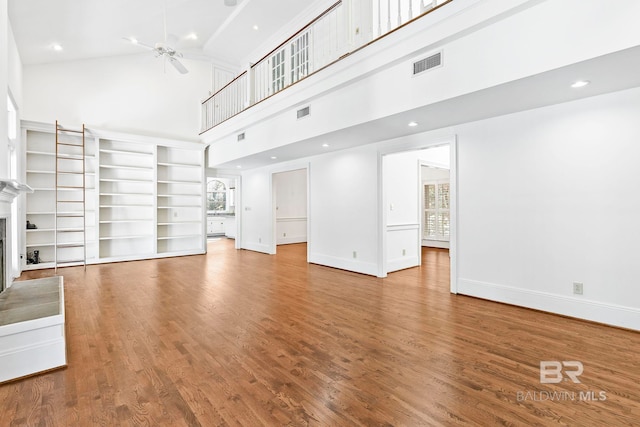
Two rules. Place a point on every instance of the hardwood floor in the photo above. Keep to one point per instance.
(246, 339)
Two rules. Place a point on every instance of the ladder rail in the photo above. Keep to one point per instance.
(62, 196)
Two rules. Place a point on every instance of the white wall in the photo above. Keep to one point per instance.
(548, 197)
(126, 93)
(4, 83)
(401, 196)
(257, 214)
(343, 199)
(14, 69)
(290, 190)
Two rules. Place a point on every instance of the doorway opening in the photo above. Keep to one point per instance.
(221, 199)
(290, 207)
(418, 209)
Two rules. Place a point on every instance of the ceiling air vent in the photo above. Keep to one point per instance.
(241, 136)
(427, 63)
(303, 112)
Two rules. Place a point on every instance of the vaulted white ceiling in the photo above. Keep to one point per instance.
(97, 28)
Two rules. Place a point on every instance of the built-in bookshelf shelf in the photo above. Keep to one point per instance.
(139, 236)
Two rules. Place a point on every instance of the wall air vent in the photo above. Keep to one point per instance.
(427, 63)
(303, 112)
(241, 136)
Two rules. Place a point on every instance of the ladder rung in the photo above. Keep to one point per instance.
(69, 130)
(70, 156)
(70, 145)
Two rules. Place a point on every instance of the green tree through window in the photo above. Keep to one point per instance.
(216, 196)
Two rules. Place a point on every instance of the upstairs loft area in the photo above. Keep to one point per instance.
(344, 28)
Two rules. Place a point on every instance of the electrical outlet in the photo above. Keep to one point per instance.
(175, 214)
(284, 234)
(404, 252)
(577, 288)
(259, 239)
(355, 254)
(390, 206)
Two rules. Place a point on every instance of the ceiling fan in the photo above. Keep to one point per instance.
(164, 50)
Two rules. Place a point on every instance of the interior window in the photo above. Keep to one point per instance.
(216, 196)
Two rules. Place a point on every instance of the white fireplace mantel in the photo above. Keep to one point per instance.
(10, 189)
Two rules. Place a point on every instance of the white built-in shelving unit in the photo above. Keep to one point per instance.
(127, 193)
(144, 196)
(40, 170)
(180, 201)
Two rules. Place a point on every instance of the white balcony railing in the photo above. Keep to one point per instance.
(343, 28)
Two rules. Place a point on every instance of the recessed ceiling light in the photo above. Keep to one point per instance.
(580, 83)
(56, 47)
(413, 124)
(325, 145)
(192, 36)
(255, 27)
(273, 157)
(239, 167)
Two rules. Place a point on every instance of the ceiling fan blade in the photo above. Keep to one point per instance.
(137, 43)
(178, 65)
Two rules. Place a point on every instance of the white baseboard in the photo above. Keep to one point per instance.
(435, 244)
(402, 263)
(610, 314)
(356, 266)
(257, 247)
(291, 240)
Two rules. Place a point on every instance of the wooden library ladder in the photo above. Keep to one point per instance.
(70, 183)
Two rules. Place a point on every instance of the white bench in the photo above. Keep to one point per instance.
(32, 328)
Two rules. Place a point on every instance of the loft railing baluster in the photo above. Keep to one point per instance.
(379, 19)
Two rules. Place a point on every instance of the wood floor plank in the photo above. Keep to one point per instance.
(238, 338)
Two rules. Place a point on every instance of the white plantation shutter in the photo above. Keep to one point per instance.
(300, 57)
(277, 71)
(436, 211)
